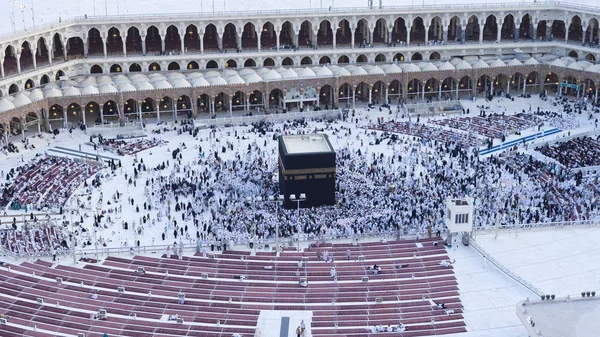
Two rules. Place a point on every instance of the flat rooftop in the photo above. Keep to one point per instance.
(312, 143)
(560, 318)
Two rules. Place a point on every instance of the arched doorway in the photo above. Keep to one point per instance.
(287, 62)
(230, 37)
(115, 68)
(417, 57)
(417, 31)
(212, 64)
(325, 94)
(306, 61)
(325, 60)
(268, 36)
(343, 34)
(249, 38)
(173, 66)
(172, 40)
(95, 43)
(276, 99)
(96, 69)
(29, 84)
(435, 56)
(135, 68)
(193, 65)
(343, 60)
(191, 41)
(92, 113)
(154, 67)
(114, 42)
(268, 62)
(380, 58)
(153, 41)
(230, 64)
(133, 42)
(362, 59)
(184, 107)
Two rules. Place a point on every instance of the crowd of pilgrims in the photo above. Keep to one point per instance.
(398, 186)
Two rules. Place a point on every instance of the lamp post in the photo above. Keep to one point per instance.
(277, 200)
(293, 198)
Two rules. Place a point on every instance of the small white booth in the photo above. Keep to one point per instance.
(459, 218)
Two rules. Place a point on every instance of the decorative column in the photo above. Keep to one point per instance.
(524, 85)
(445, 34)
(19, 61)
(143, 44)
(498, 33)
(162, 42)
(387, 96)
(104, 46)
(82, 112)
(278, 38)
(86, 47)
(463, 34)
(258, 35)
(370, 95)
(371, 31)
(334, 39)
(567, 25)
(408, 28)
(440, 91)
(2, 65)
(34, 57)
(202, 43)
(239, 39)
(49, 47)
(584, 29)
(548, 29)
(182, 40)
(427, 34)
(316, 39)
(353, 31)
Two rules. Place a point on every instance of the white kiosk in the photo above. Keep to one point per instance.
(459, 218)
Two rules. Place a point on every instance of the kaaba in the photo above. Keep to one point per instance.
(307, 165)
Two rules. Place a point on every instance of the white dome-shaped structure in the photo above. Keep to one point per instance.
(235, 79)
(558, 63)
(410, 68)
(270, 74)
(497, 63)
(143, 85)
(305, 72)
(6, 105)
(289, 73)
(104, 79)
(339, 71)
(180, 82)
(446, 66)
(20, 100)
(252, 78)
(514, 62)
(456, 61)
(71, 91)
(200, 82)
(212, 73)
(428, 66)
(531, 62)
(107, 89)
(391, 68)
(52, 92)
(323, 71)
(576, 66)
(246, 71)
(162, 84)
(156, 77)
(174, 76)
(217, 80)
(356, 70)
(89, 90)
(480, 64)
(373, 70)
(594, 69)
(36, 95)
(193, 76)
(125, 87)
(463, 65)
(120, 79)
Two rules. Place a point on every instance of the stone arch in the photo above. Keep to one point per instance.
(414, 89)
(114, 42)
(256, 99)
(93, 113)
(45, 79)
(325, 60)
(193, 65)
(526, 27)
(325, 33)
(58, 75)
(26, 59)
(16, 126)
(345, 93)
(286, 35)
(490, 28)
(230, 36)
(29, 84)
(343, 59)
(378, 93)
(173, 66)
(417, 30)
(362, 34)
(395, 90)
(10, 61)
(110, 110)
(305, 36)
(589, 87)
(576, 29)
(276, 98)
(116, 68)
(287, 62)
(154, 67)
(590, 57)
(484, 85)
(436, 29)
(203, 103)
(153, 40)
(325, 94)
(399, 32)
(75, 47)
(268, 62)
(231, 64)
(558, 30)
(455, 29)
(592, 31)
(13, 89)
(343, 33)
(130, 108)
(573, 54)
(166, 104)
(172, 40)
(268, 36)
(95, 42)
(398, 57)
(508, 28)
(96, 69)
(41, 56)
(135, 67)
(56, 116)
(380, 32)
(59, 48)
(380, 58)
(472, 29)
(210, 40)
(133, 42)
(238, 101)
(435, 56)
(362, 58)
(221, 102)
(191, 40)
(416, 57)
(74, 114)
(306, 61)
(449, 86)
(249, 37)
(432, 86)
(212, 64)
(184, 106)
(148, 105)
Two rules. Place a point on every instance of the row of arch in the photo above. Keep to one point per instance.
(342, 33)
